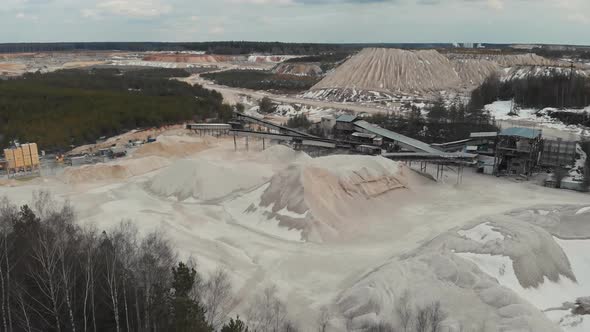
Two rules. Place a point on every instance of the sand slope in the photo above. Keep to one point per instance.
(379, 69)
(395, 71)
(324, 198)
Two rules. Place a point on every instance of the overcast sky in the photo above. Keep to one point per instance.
(496, 21)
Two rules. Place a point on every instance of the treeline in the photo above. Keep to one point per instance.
(74, 107)
(442, 122)
(262, 80)
(583, 53)
(226, 47)
(559, 91)
(58, 276)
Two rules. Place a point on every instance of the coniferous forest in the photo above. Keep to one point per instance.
(74, 107)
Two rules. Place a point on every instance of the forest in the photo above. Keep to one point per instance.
(74, 107)
(222, 47)
(442, 123)
(262, 80)
(213, 47)
(56, 275)
(558, 91)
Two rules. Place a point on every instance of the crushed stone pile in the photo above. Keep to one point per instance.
(117, 170)
(206, 180)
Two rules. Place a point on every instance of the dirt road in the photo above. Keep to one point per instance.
(233, 96)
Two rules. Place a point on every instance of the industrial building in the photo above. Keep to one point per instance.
(518, 151)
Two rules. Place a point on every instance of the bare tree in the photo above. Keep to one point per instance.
(8, 213)
(437, 315)
(89, 249)
(216, 297)
(324, 319)
(65, 236)
(47, 275)
(428, 318)
(267, 313)
(404, 311)
(155, 261)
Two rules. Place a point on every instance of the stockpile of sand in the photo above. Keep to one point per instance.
(326, 198)
(299, 69)
(390, 70)
(206, 180)
(174, 146)
(200, 58)
(281, 154)
(405, 72)
(118, 170)
(473, 72)
(132, 135)
(486, 276)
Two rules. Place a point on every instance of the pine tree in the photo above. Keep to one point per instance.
(189, 314)
(235, 326)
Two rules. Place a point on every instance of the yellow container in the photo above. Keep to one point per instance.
(19, 158)
(26, 155)
(9, 156)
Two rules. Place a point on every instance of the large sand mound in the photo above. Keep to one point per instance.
(395, 71)
(466, 270)
(324, 198)
(206, 180)
(387, 70)
(118, 170)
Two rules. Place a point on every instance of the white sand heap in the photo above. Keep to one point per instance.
(486, 277)
(174, 146)
(395, 71)
(117, 170)
(387, 70)
(299, 69)
(281, 154)
(206, 180)
(323, 198)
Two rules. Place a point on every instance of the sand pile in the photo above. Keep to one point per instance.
(281, 154)
(132, 135)
(325, 198)
(468, 270)
(202, 58)
(122, 169)
(299, 69)
(173, 146)
(390, 70)
(523, 72)
(405, 72)
(206, 180)
(473, 72)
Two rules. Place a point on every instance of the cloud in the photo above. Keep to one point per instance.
(496, 4)
(216, 30)
(127, 8)
(579, 18)
(25, 16)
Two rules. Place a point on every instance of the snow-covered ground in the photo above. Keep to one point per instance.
(501, 111)
(378, 249)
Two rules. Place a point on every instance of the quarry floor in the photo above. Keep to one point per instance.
(308, 275)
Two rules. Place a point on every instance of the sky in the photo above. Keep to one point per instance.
(334, 21)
